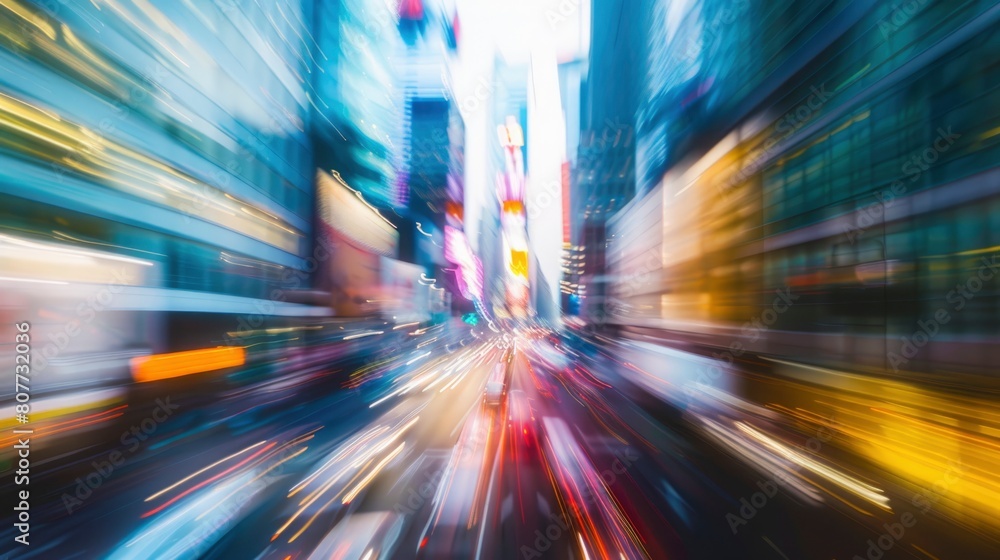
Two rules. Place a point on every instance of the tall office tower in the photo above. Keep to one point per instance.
(604, 178)
(358, 95)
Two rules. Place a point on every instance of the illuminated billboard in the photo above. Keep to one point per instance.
(470, 269)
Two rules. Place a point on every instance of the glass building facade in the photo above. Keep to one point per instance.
(358, 96)
(849, 157)
(154, 134)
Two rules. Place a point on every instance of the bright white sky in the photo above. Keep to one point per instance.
(514, 27)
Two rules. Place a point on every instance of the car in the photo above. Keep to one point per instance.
(520, 418)
(362, 535)
(496, 385)
(494, 393)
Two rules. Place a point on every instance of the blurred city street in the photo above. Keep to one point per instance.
(589, 454)
(567, 279)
